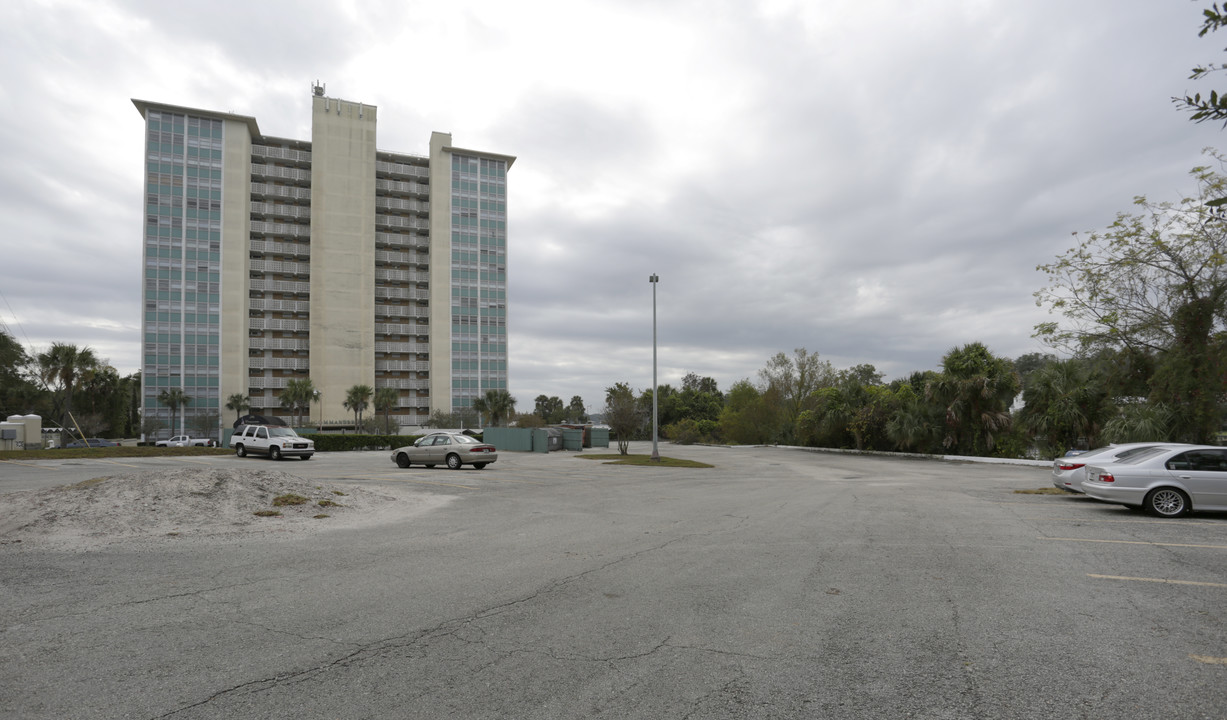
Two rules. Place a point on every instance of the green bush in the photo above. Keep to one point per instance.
(689, 432)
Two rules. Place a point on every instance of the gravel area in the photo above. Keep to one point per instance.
(187, 504)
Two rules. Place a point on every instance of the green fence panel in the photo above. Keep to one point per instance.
(600, 437)
(573, 440)
(509, 439)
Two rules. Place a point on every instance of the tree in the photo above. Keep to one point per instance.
(1153, 284)
(18, 396)
(61, 368)
(496, 405)
(357, 397)
(1064, 403)
(791, 381)
(575, 410)
(751, 416)
(296, 397)
(386, 398)
(1214, 107)
(975, 389)
(549, 409)
(622, 413)
(174, 398)
(239, 403)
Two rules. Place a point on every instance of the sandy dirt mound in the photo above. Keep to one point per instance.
(193, 503)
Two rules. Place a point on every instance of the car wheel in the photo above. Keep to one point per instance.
(402, 460)
(453, 461)
(1167, 502)
(240, 450)
(479, 466)
(274, 453)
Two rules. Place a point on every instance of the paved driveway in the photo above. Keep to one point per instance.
(780, 584)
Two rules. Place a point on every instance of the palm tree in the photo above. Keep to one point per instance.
(174, 398)
(62, 368)
(296, 396)
(356, 399)
(976, 390)
(239, 403)
(386, 398)
(1064, 402)
(497, 405)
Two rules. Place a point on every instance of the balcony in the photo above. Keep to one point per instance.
(285, 325)
(401, 311)
(401, 221)
(402, 170)
(298, 157)
(259, 343)
(265, 171)
(402, 240)
(416, 189)
(268, 305)
(404, 276)
(282, 286)
(288, 192)
(287, 229)
(273, 247)
(278, 210)
(280, 267)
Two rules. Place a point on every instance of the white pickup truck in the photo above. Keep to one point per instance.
(184, 441)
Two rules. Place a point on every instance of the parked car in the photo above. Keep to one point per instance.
(274, 441)
(185, 441)
(1068, 472)
(1164, 481)
(451, 449)
(91, 442)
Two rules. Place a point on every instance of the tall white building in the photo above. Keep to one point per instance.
(268, 259)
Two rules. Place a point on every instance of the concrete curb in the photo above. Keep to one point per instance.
(947, 458)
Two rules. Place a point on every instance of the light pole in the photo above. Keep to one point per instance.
(654, 278)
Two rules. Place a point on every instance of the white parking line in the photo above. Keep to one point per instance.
(1135, 542)
(1157, 580)
(1207, 659)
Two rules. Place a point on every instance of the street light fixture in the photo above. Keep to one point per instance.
(654, 278)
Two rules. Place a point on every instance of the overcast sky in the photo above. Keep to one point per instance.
(874, 181)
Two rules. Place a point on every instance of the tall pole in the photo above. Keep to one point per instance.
(655, 450)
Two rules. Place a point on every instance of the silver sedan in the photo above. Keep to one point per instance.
(1168, 482)
(1068, 472)
(451, 449)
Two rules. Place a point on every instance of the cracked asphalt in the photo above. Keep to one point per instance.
(780, 584)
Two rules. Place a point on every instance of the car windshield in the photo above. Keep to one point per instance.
(282, 432)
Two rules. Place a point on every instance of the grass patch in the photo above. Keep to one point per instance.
(1043, 491)
(337, 492)
(321, 516)
(643, 460)
(267, 513)
(329, 503)
(289, 499)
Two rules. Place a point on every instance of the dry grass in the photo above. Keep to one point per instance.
(642, 460)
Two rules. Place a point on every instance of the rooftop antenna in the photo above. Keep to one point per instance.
(317, 88)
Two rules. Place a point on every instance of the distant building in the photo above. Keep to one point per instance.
(268, 259)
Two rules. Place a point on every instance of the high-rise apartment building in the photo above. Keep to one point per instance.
(268, 260)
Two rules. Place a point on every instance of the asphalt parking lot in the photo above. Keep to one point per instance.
(778, 584)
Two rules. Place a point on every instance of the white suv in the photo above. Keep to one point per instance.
(275, 441)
